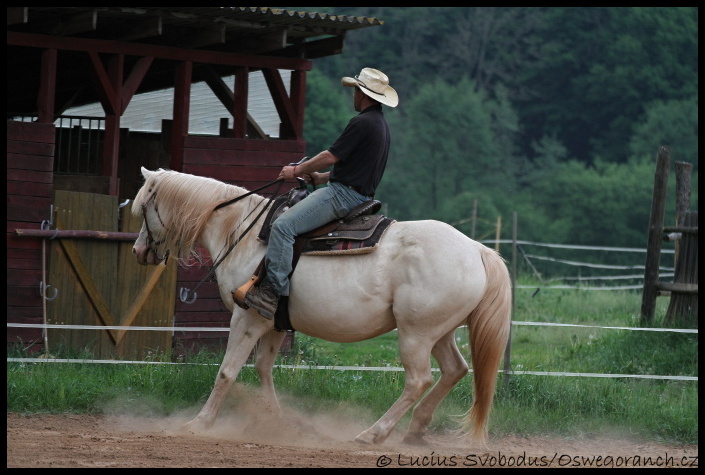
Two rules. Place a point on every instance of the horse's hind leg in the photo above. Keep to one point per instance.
(415, 354)
(266, 354)
(453, 368)
(245, 330)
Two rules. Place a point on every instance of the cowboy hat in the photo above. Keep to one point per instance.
(375, 84)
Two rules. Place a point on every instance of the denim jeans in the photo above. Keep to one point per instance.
(320, 207)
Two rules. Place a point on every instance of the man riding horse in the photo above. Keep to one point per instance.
(358, 157)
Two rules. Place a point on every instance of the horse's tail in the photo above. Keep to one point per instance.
(488, 327)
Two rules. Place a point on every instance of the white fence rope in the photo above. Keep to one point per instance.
(337, 368)
(350, 368)
(226, 329)
(573, 246)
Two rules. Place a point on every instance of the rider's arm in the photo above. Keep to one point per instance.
(321, 161)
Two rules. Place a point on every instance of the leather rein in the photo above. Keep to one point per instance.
(186, 295)
(189, 296)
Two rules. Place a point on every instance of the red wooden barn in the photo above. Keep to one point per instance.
(69, 231)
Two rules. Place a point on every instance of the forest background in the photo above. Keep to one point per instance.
(553, 113)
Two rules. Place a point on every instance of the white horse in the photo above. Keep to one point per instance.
(425, 279)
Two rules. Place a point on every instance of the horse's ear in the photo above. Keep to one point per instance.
(145, 172)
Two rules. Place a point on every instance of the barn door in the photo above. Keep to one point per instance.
(98, 282)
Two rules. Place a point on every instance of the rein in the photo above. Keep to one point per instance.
(189, 296)
(151, 242)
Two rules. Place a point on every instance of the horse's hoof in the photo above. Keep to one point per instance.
(195, 426)
(365, 438)
(369, 438)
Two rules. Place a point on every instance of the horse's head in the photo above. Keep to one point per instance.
(150, 247)
(176, 208)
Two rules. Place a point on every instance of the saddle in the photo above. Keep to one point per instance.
(359, 232)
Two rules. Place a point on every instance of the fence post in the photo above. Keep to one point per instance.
(653, 246)
(683, 306)
(683, 191)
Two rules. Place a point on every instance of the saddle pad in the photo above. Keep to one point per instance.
(360, 236)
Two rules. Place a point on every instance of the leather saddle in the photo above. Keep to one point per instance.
(357, 233)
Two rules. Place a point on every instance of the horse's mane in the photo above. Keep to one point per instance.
(185, 203)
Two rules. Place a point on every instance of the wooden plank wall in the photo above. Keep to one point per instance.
(244, 162)
(72, 306)
(30, 163)
(100, 283)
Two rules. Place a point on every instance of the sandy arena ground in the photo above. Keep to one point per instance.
(242, 439)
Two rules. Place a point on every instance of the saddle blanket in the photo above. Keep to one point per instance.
(359, 235)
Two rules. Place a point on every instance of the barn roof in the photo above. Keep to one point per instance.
(250, 30)
(254, 31)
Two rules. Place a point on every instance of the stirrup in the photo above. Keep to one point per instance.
(239, 294)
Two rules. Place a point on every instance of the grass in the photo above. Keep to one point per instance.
(663, 410)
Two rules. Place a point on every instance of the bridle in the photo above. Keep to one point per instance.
(153, 244)
(186, 295)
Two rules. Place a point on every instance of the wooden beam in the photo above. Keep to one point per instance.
(182, 105)
(161, 52)
(208, 36)
(76, 234)
(226, 96)
(139, 301)
(91, 290)
(315, 49)
(259, 42)
(653, 245)
(106, 94)
(47, 87)
(137, 74)
(141, 28)
(678, 287)
(282, 103)
(242, 85)
(79, 23)
(17, 15)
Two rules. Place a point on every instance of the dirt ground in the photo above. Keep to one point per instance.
(109, 441)
(242, 439)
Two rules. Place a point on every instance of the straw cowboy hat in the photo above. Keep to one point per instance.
(375, 84)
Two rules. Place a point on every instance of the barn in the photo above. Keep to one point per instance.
(71, 171)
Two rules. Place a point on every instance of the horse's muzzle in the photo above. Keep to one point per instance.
(146, 256)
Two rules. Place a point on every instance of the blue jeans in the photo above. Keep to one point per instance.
(320, 207)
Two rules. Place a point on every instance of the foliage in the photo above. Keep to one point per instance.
(555, 113)
(325, 116)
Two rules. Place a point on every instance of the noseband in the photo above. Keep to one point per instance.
(153, 244)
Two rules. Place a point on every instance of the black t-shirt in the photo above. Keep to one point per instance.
(362, 149)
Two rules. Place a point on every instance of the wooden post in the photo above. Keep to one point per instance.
(683, 171)
(683, 307)
(653, 246)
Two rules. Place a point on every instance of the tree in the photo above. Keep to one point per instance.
(447, 146)
(670, 123)
(328, 109)
(609, 63)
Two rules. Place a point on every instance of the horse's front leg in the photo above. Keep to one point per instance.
(246, 327)
(266, 354)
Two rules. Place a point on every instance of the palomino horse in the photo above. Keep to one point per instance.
(425, 279)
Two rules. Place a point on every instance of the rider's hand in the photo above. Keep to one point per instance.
(315, 178)
(287, 173)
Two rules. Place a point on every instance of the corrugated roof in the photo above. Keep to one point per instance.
(252, 31)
